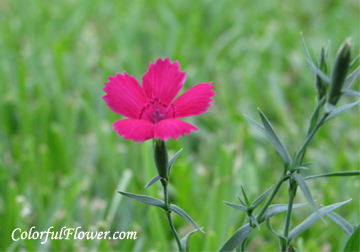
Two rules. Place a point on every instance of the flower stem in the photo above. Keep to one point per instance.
(168, 215)
(288, 215)
(162, 165)
(267, 203)
(302, 151)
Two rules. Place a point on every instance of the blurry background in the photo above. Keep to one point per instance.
(61, 163)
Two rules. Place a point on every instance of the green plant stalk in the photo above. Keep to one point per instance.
(162, 164)
(301, 154)
(311, 134)
(288, 214)
(272, 195)
(168, 215)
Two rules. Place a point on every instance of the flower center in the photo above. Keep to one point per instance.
(157, 116)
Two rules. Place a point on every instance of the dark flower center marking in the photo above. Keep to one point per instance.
(152, 102)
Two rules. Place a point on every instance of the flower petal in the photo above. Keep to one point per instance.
(172, 128)
(137, 130)
(195, 101)
(125, 96)
(162, 83)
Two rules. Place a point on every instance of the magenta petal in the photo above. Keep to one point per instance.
(172, 128)
(195, 101)
(137, 130)
(125, 96)
(163, 81)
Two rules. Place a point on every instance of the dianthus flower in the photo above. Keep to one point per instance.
(150, 108)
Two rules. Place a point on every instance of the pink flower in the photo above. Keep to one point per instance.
(151, 108)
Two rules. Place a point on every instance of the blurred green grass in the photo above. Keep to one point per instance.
(61, 163)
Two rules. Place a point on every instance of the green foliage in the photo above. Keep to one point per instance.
(61, 163)
(353, 243)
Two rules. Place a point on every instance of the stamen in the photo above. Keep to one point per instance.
(157, 116)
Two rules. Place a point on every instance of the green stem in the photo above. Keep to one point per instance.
(288, 215)
(162, 165)
(168, 213)
(309, 137)
(267, 203)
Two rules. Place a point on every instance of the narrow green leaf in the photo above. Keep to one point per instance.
(306, 164)
(327, 50)
(353, 243)
(277, 208)
(239, 207)
(173, 159)
(241, 202)
(351, 78)
(341, 222)
(184, 215)
(261, 198)
(279, 146)
(305, 189)
(312, 65)
(282, 239)
(340, 110)
(335, 174)
(144, 199)
(309, 221)
(261, 128)
(237, 238)
(351, 92)
(298, 168)
(183, 241)
(253, 219)
(153, 181)
(245, 197)
(354, 62)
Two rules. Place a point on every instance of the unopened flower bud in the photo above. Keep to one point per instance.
(161, 158)
(338, 75)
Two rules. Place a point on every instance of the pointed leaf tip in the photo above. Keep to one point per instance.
(183, 241)
(237, 238)
(277, 143)
(239, 207)
(305, 189)
(173, 159)
(261, 198)
(185, 216)
(144, 199)
(309, 221)
(153, 181)
(245, 197)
